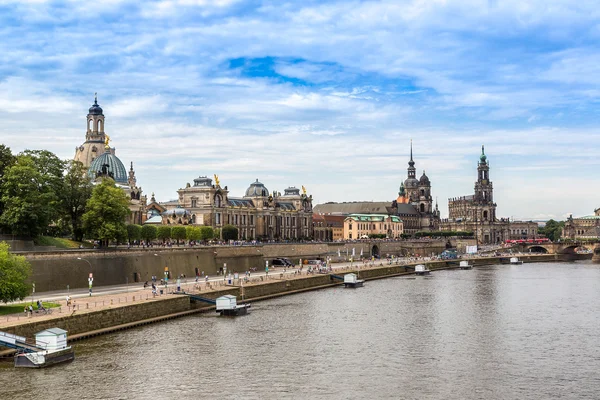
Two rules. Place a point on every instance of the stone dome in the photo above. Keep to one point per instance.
(411, 183)
(114, 166)
(257, 189)
(424, 181)
(95, 109)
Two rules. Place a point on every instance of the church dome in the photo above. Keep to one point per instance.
(95, 109)
(257, 189)
(114, 167)
(424, 181)
(411, 183)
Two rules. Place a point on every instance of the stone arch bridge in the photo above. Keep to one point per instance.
(558, 248)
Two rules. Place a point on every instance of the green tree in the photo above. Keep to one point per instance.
(164, 232)
(229, 232)
(77, 190)
(14, 271)
(178, 233)
(29, 201)
(106, 212)
(149, 233)
(552, 230)
(192, 233)
(134, 232)
(6, 160)
(206, 233)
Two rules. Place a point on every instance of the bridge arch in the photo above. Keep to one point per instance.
(538, 250)
(569, 249)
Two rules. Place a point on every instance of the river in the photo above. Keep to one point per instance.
(498, 332)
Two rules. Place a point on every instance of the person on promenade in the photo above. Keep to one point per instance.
(68, 300)
(74, 307)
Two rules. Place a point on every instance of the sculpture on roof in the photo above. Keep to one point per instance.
(106, 140)
(303, 190)
(217, 182)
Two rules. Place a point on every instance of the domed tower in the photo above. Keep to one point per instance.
(425, 199)
(402, 199)
(95, 137)
(411, 183)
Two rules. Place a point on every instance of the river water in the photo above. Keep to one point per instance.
(498, 332)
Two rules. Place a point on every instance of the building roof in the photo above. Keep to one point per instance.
(51, 332)
(286, 206)
(237, 202)
(589, 217)
(373, 217)
(257, 189)
(157, 219)
(363, 207)
(95, 109)
(114, 167)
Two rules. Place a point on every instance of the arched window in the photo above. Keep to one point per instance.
(218, 200)
(422, 207)
(100, 126)
(422, 192)
(194, 219)
(485, 215)
(89, 124)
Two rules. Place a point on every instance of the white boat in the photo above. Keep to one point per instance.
(465, 265)
(352, 281)
(227, 305)
(421, 269)
(515, 261)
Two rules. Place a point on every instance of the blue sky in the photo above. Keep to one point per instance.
(322, 94)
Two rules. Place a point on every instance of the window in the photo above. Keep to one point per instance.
(218, 218)
(252, 220)
(243, 220)
(194, 203)
(350, 227)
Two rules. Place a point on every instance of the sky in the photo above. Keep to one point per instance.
(325, 94)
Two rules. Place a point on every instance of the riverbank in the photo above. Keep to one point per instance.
(140, 308)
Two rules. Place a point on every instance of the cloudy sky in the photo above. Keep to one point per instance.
(322, 94)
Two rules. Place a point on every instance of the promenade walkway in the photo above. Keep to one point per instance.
(124, 295)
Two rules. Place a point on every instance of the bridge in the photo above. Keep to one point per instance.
(558, 248)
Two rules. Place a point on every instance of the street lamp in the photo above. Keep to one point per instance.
(166, 273)
(91, 278)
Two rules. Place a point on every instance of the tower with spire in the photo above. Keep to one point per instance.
(411, 184)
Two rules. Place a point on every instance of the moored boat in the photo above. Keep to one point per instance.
(422, 269)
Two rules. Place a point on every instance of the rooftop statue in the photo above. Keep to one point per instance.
(217, 183)
(106, 140)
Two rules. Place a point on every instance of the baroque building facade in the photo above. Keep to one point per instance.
(477, 212)
(101, 162)
(587, 227)
(259, 214)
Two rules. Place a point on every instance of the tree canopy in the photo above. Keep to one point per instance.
(229, 232)
(29, 197)
(77, 190)
(163, 232)
(14, 271)
(552, 230)
(106, 212)
(178, 233)
(134, 232)
(207, 233)
(149, 233)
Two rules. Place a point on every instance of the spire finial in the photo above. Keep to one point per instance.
(96, 98)
(482, 150)
(131, 168)
(411, 150)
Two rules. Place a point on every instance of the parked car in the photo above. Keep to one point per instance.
(282, 262)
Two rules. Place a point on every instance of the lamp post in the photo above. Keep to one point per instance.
(166, 273)
(91, 278)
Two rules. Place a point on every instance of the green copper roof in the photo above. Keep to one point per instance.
(114, 165)
(483, 157)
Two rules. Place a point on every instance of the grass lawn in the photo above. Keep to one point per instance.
(61, 243)
(18, 308)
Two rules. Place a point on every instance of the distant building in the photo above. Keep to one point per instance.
(414, 204)
(361, 226)
(587, 227)
(328, 228)
(477, 213)
(101, 162)
(259, 214)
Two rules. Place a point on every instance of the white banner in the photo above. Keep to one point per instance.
(471, 249)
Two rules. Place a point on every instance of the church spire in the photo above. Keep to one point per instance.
(411, 163)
